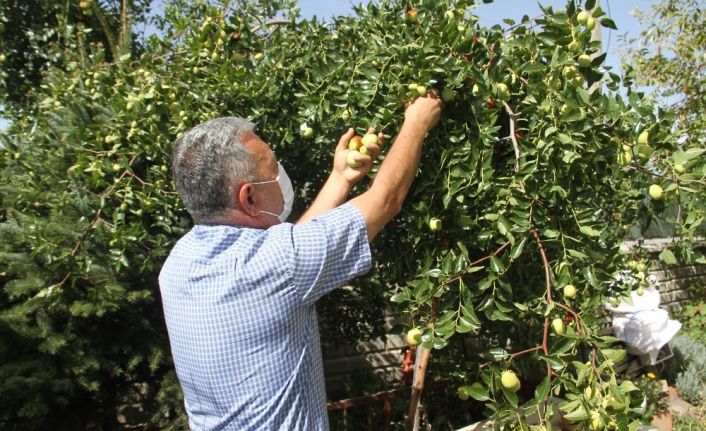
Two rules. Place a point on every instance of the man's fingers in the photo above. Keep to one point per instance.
(343, 142)
(366, 161)
(375, 149)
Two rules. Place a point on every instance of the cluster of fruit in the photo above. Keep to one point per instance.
(359, 146)
(416, 90)
(644, 152)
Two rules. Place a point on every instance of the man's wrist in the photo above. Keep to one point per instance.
(337, 181)
(415, 126)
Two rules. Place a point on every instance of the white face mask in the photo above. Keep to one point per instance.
(285, 186)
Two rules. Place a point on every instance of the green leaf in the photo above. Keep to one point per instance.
(498, 353)
(550, 233)
(588, 230)
(608, 23)
(684, 157)
(503, 228)
(668, 257)
(470, 315)
(501, 316)
(439, 343)
(516, 250)
(569, 406)
(615, 355)
(583, 96)
(577, 254)
(628, 386)
(399, 297)
(578, 415)
(462, 247)
(556, 363)
(436, 272)
(511, 397)
(478, 392)
(496, 265)
(542, 390)
(466, 325)
(563, 347)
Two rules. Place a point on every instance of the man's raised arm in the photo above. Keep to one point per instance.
(384, 199)
(343, 177)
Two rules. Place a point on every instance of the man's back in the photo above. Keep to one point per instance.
(239, 307)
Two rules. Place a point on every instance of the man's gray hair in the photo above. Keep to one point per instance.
(207, 161)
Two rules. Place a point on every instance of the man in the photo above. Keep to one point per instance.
(239, 289)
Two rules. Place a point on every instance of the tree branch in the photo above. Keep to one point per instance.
(515, 144)
(269, 23)
(548, 283)
(420, 372)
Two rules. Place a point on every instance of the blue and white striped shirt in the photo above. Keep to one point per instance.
(239, 307)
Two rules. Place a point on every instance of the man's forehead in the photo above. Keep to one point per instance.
(263, 155)
(255, 144)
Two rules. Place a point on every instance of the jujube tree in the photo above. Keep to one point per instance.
(501, 259)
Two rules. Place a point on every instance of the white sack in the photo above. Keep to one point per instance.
(642, 325)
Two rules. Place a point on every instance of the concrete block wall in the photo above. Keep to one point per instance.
(377, 361)
(380, 359)
(677, 284)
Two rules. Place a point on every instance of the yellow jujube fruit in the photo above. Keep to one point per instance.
(510, 381)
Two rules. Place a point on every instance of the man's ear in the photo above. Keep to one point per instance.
(246, 200)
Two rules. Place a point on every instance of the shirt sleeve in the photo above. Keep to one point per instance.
(328, 250)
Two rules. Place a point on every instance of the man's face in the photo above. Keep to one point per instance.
(269, 194)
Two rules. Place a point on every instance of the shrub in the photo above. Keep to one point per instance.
(689, 372)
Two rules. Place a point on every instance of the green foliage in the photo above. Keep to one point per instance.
(670, 55)
(533, 185)
(34, 35)
(693, 318)
(688, 370)
(688, 422)
(656, 400)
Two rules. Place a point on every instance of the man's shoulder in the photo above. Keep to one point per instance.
(345, 216)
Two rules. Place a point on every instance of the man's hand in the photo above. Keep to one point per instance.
(423, 111)
(343, 177)
(341, 168)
